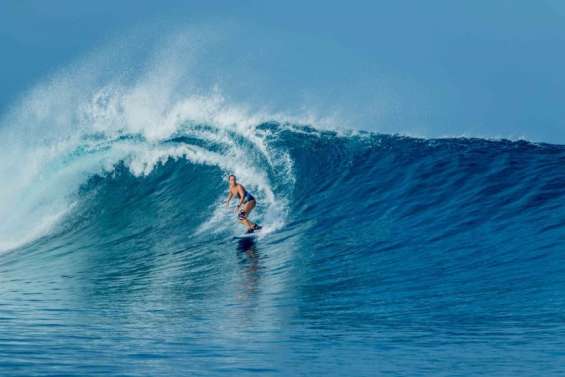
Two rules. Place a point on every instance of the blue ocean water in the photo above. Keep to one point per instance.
(380, 255)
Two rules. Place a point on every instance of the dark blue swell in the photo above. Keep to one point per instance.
(398, 256)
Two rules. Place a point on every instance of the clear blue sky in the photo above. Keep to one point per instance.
(429, 68)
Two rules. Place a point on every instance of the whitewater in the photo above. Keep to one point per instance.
(380, 254)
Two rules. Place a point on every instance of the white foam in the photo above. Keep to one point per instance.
(74, 126)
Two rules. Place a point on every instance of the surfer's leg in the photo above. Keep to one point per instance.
(248, 208)
(243, 217)
(244, 220)
(247, 223)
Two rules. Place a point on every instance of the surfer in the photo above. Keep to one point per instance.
(246, 203)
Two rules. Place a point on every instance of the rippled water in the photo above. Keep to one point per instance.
(380, 255)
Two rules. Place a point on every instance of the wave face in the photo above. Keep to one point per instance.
(380, 254)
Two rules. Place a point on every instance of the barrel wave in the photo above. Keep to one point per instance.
(380, 254)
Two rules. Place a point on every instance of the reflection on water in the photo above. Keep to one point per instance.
(247, 245)
(248, 256)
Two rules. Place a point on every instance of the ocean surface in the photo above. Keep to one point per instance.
(381, 255)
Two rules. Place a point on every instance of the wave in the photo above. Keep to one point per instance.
(81, 146)
(112, 226)
(437, 191)
(417, 242)
(49, 156)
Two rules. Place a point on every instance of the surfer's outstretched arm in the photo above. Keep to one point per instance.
(230, 195)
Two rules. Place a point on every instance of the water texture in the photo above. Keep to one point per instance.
(380, 255)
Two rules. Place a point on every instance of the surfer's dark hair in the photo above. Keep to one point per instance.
(231, 175)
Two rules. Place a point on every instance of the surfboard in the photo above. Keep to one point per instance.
(249, 235)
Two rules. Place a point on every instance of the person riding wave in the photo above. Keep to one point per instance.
(246, 200)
